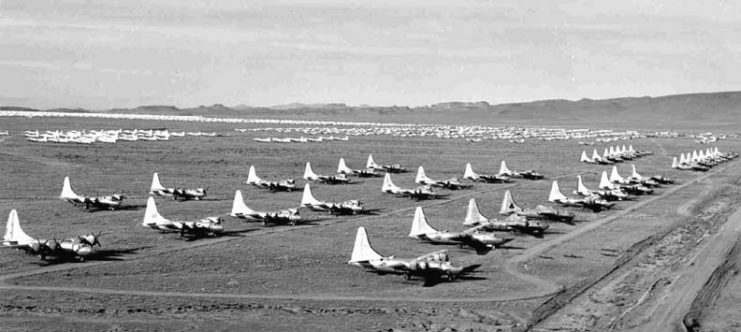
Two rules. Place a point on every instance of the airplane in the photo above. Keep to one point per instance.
(617, 183)
(77, 248)
(540, 212)
(431, 267)
(592, 202)
(363, 173)
(349, 207)
(688, 164)
(111, 202)
(240, 210)
(481, 242)
(528, 174)
(158, 189)
(469, 174)
(513, 223)
(419, 193)
(596, 159)
(210, 226)
(655, 180)
(614, 194)
(451, 183)
(328, 179)
(393, 168)
(282, 185)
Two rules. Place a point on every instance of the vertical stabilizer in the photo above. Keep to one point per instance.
(695, 157)
(9, 226)
(252, 177)
(421, 176)
(682, 158)
(675, 163)
(635, 174)
(419, 224)
(388, 186)
(473, 214)
(503, 169)
(342, 168)
(309, 173)
(307, 198)
(604, 182)
(615, 177)
(612, 151)
(151, 215)
(239, 207)
(508, 204)
(371, 163)
(469, 173)
(630, 148)
(581, 189)
(362, 250)
(156, 185)
(595, 155)
(14, 233)
(556, 194)
(605, 154)
(67, 192)
(584, 157)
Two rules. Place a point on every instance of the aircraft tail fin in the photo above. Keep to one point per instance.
(67, 192)
(581, 188)
(309, 173)
(508, 204)
(419, 224)
(308, 198)
(503, 168)
(156, 185)
(342, 167)
(371, 163)
(151, 215)
(469, 173)
(584, 157)
(9, 226)
(421, 176)
(556, 194)
(595, 155)
(604, 182)
(675, 163)
(388, 185)
(13, 232)
(252, 177)
(239, 207)
(362, 250)
(615, 177)
(635, 173)
(473, 214)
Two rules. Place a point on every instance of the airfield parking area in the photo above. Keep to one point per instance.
(642, 265)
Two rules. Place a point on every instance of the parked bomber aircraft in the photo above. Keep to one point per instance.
(619, 183)
(540, 212)
(419, 193)
(451, 183)
(479, 241)
(614, 194)
(593, 202)
(210, 226)
(158, 189)
(282, 185)
(309, 175)
(528, 174)
(431, 267)
(348, 207)
(596, 159)
(77, 248)
(469, 174)
(648, 181)
(240, 210)
(513, 223)
(111, 202)
(393, 168)
(363, 173)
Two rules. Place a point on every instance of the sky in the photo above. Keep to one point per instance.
(109, 54)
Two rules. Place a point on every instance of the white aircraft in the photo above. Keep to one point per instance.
(610, 194)
(513, 223)
(419, 193)
(469, 174)
(282, 185)
(158, 189)
(592, 202)
(540, 212)
(528, 174)
(363, 173)
(309, 175)
(654, 181)
(620, 184)
(596, 159)
(393, 168)
(481, 242)
(451, 183)
(78, 248)
(431, 267)
(240, 210)
(210, 226)
(349, 207)
(111, 202)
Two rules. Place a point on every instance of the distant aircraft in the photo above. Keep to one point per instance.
(654, 181)
(613, 194)
(349, 207)
(431, 267)
(528, 174)
(282, 185)
(210, 226)
(111, 202)
(419, 193)
(77, 248)
(158, 189)
(540, 212)
(451, 183)
(596, 159)
(309, 175)
(363, 173)
(393, 168)
(618, 182)
(240, 210)
(513, 223)
(594, 203)
(469, 174)
(479, 241)
(688, 164)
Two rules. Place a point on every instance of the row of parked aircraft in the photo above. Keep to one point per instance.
(703, 160)
(106, 136)
(613, 155)
(301, 139)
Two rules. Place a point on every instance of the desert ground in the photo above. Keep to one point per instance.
(666, 261)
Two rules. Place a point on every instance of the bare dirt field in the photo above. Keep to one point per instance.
(642, 265)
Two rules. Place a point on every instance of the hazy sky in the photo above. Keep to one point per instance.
(102, 54)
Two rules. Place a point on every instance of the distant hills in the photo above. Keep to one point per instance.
(720, 110)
